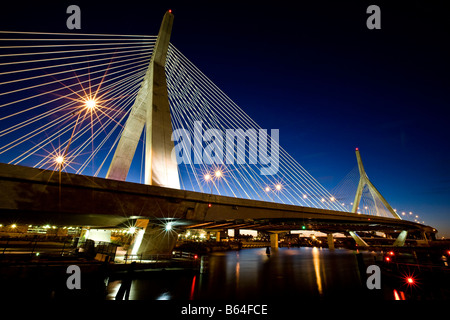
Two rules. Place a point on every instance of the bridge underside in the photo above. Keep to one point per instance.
(37, 196)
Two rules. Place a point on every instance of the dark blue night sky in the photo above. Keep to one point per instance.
(314, 71)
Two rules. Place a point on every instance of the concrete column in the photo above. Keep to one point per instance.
(360, 242)
(152, 110)
(425, 239)
(274, 240)
(84, 234)
(155, 240)
(400, 241)
(330, 240)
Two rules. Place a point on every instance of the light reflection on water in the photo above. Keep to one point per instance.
(317, 270)
(250, 274)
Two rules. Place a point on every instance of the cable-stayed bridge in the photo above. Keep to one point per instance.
(120, 127)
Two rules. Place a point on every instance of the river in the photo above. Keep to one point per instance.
(251, 274)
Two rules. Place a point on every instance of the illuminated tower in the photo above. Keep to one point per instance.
(364, 181)
(151, 110)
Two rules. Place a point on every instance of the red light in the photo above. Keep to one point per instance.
(195, 256)
(391, 253)
(209, 205)
(410, 280)
(388, 259)
(357, 149)
(170, 10)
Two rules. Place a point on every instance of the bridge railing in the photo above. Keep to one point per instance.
(128, 258)
(18, 248)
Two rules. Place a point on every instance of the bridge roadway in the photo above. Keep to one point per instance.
(36, 196)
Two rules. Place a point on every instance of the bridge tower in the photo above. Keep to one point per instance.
(363, 181)
(151, 110)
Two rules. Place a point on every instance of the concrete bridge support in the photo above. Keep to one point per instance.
(155, 240)
(151, 110)
(400, 241)
(274, 238)
(360, 242)
(330, 240)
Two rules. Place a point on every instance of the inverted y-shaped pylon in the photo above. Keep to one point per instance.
(364, 181)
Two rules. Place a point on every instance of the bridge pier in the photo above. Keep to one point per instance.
(360, 242)
(424, 241)
(274, 238)
(400, 241)
(330, 241)
(154, 240)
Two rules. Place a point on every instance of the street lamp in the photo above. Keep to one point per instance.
(90, 104)
(59, 160)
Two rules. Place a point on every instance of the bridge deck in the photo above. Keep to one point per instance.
(38, 196)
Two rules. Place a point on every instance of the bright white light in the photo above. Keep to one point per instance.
(218, 174)
(207, 177)
(332, 198)
(132, 230)
(323, 200)
(59, 159)
(305, 196)
(90, 104)
(278, 187)
(267, 189)
(13, 226)
(169, 226)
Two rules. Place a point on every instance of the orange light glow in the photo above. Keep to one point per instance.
(59, 159)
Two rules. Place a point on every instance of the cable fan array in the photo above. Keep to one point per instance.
(345, 192)
(195, 98)
(64, 99)
(370, 204)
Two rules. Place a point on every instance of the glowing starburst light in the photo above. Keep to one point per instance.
(90, 104)
(59, 160)
(218, 173)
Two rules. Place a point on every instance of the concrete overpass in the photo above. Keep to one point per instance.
(36, 196)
